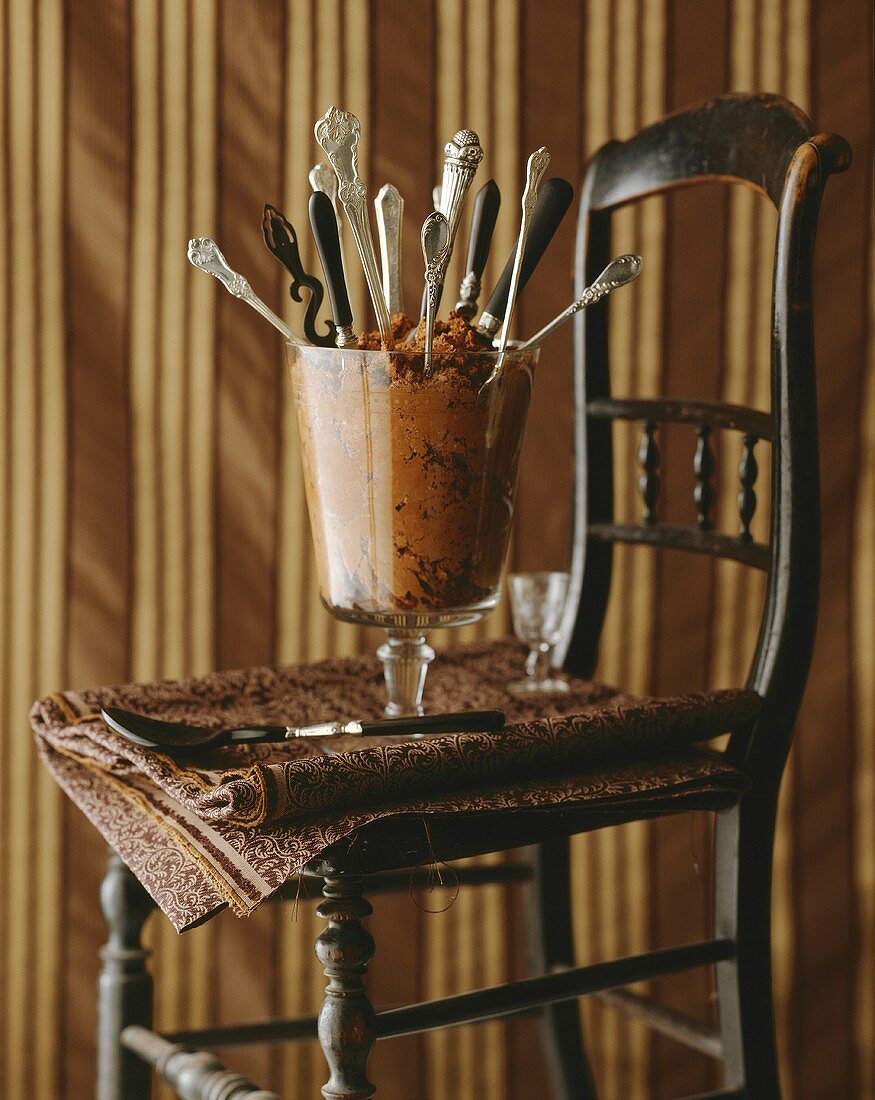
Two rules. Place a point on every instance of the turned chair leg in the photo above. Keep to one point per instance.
(347, 1026)
(743, 913)
(125, 986)
(551, 946)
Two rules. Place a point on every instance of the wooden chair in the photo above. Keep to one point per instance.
(760, 141)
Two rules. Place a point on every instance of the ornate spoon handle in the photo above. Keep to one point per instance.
(205, 254)
(390, 214)
(436, 253)
(535, 169)
(618, 273)
(338, 133)
(462, 156)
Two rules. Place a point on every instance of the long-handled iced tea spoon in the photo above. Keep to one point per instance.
(535, 169)
(389, 207)
(338, 133)
(618, 273)
(436, 253)
(462, 156)
(204, 253)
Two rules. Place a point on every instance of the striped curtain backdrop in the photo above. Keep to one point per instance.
(154, 523)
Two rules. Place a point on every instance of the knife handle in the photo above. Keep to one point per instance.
(553, 202)
(483, 218)
(323, 222)
(466, 721)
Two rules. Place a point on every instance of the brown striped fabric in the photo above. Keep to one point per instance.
(154, 523)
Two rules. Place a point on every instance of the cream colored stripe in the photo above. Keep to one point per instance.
(174, 367)
(328, 85)
(24, 435)
(863, 600)
(348, 639)
(44, 1043)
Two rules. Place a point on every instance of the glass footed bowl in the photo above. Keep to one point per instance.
(410, 483)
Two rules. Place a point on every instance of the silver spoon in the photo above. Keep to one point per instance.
(462, 157)
(158, 734)
(618, 273)
(205, 254)
(390, 215)
(535, 169)
(322, 178)
(338, 133)
(436, 252)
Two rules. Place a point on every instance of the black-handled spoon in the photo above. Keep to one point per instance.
(483, 218)
(323, 222)
(282, 242)
(154, 733)
(554, 199)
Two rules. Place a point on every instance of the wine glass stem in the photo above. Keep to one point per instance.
(539, 662)
(406, 657)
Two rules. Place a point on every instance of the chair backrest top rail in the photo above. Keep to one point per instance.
(682, 411)
(675, 537)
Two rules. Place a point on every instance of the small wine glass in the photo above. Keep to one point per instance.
(537, 601)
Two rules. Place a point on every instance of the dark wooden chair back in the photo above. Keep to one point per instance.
(764, 142)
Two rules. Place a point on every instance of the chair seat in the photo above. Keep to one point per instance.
(230, 826)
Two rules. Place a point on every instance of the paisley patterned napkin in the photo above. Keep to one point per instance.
(230, 826)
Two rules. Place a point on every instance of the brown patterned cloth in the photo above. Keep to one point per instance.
(230, 826)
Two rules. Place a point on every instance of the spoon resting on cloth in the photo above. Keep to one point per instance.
(153, 733)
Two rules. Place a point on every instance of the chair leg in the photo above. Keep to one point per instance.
(743, 913)
(347, 1026)
(125, 985)
(551, 946)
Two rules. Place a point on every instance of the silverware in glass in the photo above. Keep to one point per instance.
(338, 134)
(322, 178)
(462, 157)
(535, 169)
(390, 220)
(436, 252)
(204, 254)
(618, 273)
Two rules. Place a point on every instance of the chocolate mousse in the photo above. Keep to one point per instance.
(410, 479)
